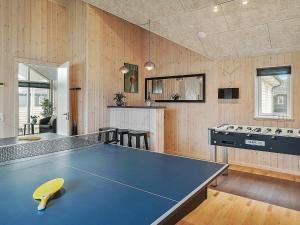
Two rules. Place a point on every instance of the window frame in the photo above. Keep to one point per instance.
(274, 116)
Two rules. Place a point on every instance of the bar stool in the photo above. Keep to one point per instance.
(138, 135)
(108, 131)
(122, 133)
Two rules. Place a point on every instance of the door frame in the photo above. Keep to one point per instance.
(67, 114)
(16, 86)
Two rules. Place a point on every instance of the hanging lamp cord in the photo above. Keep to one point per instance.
(149, 52)
(124, 39)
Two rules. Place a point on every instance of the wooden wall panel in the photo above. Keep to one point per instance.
(242, 74)
(76, 20)
(186, 125)
(105, 55)
(31, 29)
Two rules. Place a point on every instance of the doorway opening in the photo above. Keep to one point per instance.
(40, 109)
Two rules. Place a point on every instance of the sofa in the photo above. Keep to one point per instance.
(47, 125)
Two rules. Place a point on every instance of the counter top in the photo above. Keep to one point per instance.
(137, 106)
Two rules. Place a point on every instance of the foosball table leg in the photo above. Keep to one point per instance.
(225, 158)
(214, 158)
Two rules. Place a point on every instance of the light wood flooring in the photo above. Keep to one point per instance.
(227, 209)
(249, 196)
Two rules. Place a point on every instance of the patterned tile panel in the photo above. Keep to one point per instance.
(37, 148)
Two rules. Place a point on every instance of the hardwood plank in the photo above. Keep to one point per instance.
(226, 209)
(281, 192)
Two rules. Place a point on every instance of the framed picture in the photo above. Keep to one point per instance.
(131, 79)
(157, 86)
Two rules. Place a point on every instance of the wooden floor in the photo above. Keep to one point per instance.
(275, 191)
(249, 196)
(227, 209)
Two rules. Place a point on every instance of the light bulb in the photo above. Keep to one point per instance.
(124, 69)
(244, 2)
(216, 8)
(149, 65)
(201, 35)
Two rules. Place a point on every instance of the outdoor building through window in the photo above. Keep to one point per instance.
(274, 93)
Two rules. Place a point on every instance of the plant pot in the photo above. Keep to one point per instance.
(119, 103)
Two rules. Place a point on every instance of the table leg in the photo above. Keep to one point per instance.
(24, 130)
(225, 158)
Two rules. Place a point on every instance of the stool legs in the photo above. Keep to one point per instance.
(106, 137)
(115, 136)
(146, 142)
(138, 142)
(121, 139)
(129, 141)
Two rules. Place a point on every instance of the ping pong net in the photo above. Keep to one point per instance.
(21, 150)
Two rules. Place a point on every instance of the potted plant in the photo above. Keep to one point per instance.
(47, 107)
(34, 119)
(119, 99)
(175, 97)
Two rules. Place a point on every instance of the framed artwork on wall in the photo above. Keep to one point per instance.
(131, 79)
(157, 86)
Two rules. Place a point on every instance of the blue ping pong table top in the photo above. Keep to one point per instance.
(104, 184)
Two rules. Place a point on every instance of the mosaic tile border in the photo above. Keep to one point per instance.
(43, 147)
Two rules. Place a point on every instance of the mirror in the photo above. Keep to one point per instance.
(183, 88)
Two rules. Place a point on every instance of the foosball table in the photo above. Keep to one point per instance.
(267, 139)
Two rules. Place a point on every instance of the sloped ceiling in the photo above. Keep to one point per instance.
(257, 28)
(50, 72)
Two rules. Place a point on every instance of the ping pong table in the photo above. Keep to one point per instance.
(106, 184)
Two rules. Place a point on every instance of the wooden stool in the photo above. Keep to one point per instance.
(138, 135)
(107, 131)
(122, 132)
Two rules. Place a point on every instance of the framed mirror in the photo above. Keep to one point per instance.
(182, 88)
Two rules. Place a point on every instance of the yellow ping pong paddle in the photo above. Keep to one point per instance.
(46, 190)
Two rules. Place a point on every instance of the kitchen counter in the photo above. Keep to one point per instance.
(146, 118)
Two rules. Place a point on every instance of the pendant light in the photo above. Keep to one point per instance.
(124, 69)
(149, 65)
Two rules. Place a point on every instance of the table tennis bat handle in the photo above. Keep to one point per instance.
(43, 202)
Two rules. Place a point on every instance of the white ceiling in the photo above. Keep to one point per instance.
(50, 72)
(258, 28)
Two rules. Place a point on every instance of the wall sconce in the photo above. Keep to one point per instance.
(1, 84)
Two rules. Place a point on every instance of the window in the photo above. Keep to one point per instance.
(281, 99)
(273, 97)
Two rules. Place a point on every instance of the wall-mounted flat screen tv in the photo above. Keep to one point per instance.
(228, 93)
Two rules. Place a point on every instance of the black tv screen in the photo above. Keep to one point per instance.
(228, 93)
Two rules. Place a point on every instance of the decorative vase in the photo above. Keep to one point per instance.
(148, 100)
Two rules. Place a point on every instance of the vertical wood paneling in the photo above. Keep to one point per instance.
(242, 111)
(186, 125)
(32, 29)
(104, 49)
(76, 30)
